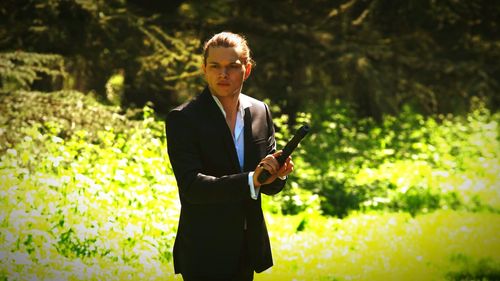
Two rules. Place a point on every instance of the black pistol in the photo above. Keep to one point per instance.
(287, 150)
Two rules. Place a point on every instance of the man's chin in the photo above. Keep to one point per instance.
(224, 92)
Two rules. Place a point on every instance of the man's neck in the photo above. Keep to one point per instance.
(230, 104)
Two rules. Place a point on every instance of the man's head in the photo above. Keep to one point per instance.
(228, 40)
(226, 63)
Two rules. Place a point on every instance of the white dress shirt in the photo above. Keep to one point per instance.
(239, 140)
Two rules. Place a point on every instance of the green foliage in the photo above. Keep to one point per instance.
(18, 70)
(97, 39)
(62, 113)
(86, 201)
(171, 64)
(407, 163)
(470, 269)
(115, 88)
(435, 56)
(443, 245)
(97, 200)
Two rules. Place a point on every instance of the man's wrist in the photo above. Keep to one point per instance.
(254, 191)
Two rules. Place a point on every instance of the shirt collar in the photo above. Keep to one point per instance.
(243, 103)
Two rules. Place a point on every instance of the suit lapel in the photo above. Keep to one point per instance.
(250, 148)
(248, 139)
(221, 128)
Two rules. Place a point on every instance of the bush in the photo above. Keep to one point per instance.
(471, 269)
(19, 70)
(88, 201)
(407, 163)
(65, 113)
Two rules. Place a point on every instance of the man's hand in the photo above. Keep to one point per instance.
(270, 164)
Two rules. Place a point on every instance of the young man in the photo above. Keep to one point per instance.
(218, 144)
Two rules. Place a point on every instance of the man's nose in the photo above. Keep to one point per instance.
(224, 71)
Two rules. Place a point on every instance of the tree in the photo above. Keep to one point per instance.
(375, 54)
(98, 39)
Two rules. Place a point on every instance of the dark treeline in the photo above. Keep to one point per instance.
(377, 55)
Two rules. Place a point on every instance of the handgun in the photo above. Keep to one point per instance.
(287, 150)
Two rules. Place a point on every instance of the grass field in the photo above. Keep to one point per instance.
(103, 205)
(437, 246)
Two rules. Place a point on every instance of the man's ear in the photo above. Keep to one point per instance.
(248, 70)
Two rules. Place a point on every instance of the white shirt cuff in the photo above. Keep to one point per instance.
(254, 192)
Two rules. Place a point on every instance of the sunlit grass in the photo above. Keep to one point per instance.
(376, 246)
(101, 204)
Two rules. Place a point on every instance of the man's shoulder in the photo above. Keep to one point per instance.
(189, 105)
(186, 106)
(250, 101)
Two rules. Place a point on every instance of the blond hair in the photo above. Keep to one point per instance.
(229, 40)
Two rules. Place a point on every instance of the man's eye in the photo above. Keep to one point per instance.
(214, 66)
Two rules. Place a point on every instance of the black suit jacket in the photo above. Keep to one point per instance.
(214, 192)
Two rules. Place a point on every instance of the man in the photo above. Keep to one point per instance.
(218, 144)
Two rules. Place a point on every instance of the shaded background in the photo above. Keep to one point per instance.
(377, 55)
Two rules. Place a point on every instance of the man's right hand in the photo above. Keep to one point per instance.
(270, 164)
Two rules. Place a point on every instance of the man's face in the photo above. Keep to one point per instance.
(225, 72)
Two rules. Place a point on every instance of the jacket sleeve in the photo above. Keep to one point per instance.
(277, 185)
(194, 186)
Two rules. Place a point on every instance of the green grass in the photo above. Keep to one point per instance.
(383, 246)
(99, 202)
(114, 240)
